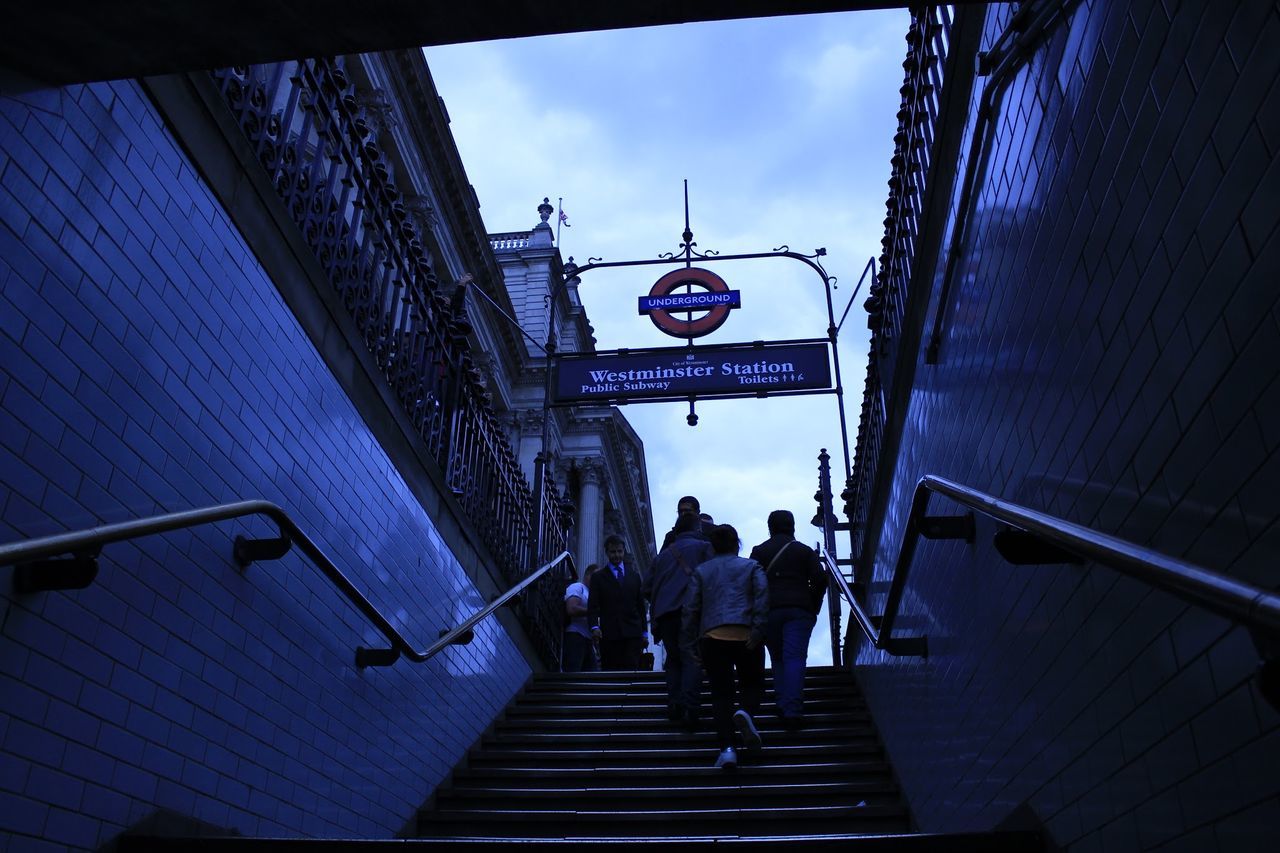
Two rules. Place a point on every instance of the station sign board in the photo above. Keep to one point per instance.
(729, 370)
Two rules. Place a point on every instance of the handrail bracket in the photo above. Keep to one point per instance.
(948, 527)
(907, 646)
(462, 639)
(249, 551)
(376, 657)
(74, 572)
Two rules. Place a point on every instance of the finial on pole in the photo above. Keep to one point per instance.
(688, 235)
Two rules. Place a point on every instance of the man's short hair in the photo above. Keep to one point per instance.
(689, 499)
(685, 523)
(782, 521)
(724, 539)
(614, 539)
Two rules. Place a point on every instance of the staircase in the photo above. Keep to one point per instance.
(592, 756)
(592, 759)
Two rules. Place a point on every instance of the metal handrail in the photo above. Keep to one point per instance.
(88, 543)
(1243, 603)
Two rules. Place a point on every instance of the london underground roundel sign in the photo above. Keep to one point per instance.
(713, 298)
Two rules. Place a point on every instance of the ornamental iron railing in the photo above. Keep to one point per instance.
(318, 145)
(928, 40)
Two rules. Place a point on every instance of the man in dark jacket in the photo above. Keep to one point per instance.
(615, 610)
(796, 586)
(665, 587)
(688, 505)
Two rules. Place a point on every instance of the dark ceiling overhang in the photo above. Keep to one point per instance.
(76, 41)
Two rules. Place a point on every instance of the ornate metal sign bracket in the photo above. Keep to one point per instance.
(758, 362)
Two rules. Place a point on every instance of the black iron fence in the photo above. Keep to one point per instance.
(318, 146)
(928, 41)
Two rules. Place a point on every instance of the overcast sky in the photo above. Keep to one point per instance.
(784, 129)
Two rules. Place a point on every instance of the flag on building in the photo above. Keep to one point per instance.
(564, 218)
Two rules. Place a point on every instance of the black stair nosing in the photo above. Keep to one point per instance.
(722, 785)
(814, 711)
(676, 739)
(813, 722)
(819, 672)
(639, 832)
(658, 685)
(859, 767)
(624, 802)
(658, 711)
(880, 842)
(624, 809)
(657, 702)
(871, 842)
(611, 688)
(515, 734)
(796, 814)
(775, 752)
(659, 691)
(659, 696)
(639, 725)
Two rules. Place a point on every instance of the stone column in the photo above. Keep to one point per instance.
(590, 513)
(529, 425)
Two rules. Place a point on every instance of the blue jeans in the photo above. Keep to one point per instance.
(684, 676)
(788, 639)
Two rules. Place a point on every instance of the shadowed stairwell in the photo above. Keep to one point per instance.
(584, 759)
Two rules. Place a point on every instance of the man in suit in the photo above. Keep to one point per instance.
(615, 610)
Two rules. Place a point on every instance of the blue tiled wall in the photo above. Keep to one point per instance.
(148, 365)
(1112, 355)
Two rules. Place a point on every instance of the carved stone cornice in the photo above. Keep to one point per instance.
(529, 421)
(422, 212)
(378, 111)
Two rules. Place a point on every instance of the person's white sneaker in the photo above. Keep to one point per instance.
(747, 728)
(728, 759)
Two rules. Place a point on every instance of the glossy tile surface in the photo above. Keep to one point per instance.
(147, 364)
(1112, 356)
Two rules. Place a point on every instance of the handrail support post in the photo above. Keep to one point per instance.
(75, 572)
(249, 551)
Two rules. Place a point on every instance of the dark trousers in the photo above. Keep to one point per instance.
(575, 655)
(684, 676)
(621, 654)
(721, 659)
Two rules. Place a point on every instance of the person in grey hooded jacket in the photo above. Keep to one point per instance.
(725, 614)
